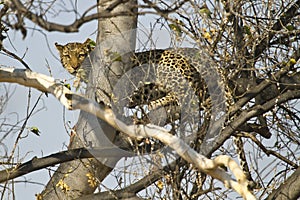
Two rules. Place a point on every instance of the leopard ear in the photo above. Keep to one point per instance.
(90, 43)
(58, 47)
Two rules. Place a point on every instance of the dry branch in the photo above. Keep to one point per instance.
(19, 7)
(40, 163)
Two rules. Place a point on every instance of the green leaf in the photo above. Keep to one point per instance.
(247, 30)
(35, 130)
(205, 11)
(176, 29)
(115, 56)
(290, 27)
(67, 85)
(92, 43)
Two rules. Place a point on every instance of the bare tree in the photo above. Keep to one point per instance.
(246, 54)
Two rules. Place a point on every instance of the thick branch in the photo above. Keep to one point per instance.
(252, 112)
(18, 6)
(40, 163)
(74, 27)
(38, 81)
(251, 93)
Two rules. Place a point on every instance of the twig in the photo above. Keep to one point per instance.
(267, 151)
(16, 57)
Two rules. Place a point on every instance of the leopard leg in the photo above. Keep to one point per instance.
(243, 161)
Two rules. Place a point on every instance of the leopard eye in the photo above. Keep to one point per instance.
(68, 56)
(81, 55)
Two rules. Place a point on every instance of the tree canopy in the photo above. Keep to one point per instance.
(244, 53)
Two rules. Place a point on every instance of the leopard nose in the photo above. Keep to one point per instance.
(75, 65)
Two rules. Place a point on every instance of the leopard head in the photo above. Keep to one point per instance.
(73, 54)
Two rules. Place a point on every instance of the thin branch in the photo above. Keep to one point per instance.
(289, 190)
(284, 19)
(267, 151)
(131, 189)
(16, 57)
(264, 84)
(163, 12)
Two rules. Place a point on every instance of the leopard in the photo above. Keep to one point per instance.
(176, 72)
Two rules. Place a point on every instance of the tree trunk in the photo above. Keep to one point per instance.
(76, 179)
